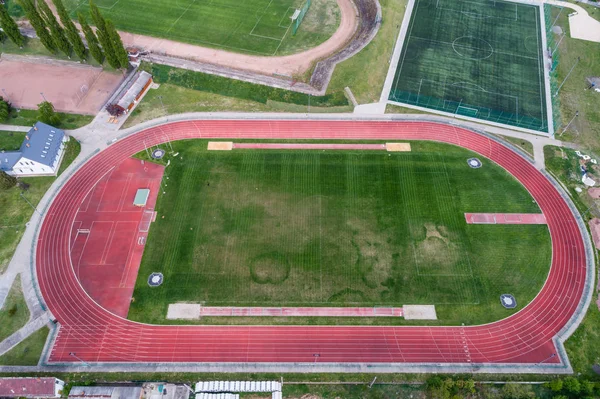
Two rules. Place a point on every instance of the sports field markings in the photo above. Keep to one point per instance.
(540, 67)
(182, 14)
(475, 15)
(493, 49)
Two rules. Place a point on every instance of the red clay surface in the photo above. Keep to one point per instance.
(282, 146)
(76, 88)
(505, 218)
(303, 311)
(98, 335)
(107, 258)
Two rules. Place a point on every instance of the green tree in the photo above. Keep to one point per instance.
(517, 391)
(47, 114)
(104, 37)
(555, 385)
(57, 32)
(92, 40)
(38, 24)
(70, 30)
(4, 110)
(7, 181)
(117, 45)
(587, 387)
(571, 385)
(10, 27)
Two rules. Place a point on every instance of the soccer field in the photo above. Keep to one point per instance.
(475, 58)
(250, 26)
(322, 228)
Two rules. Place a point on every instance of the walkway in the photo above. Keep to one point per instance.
(581, 24)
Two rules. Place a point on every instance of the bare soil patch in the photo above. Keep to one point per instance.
(78, 89)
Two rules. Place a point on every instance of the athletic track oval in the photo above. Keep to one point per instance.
(97, 335)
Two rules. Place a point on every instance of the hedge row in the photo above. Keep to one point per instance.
(235, 88)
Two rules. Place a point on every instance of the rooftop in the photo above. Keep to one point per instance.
(27, 387)
(42, 143)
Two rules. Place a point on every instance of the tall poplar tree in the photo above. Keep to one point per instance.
(103, 36)
(92, 40)
(38, 24)
(117, 44)
(57, 32)
(70, 30)
(10, 27)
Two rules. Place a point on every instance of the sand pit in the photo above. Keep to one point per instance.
(419, 312)
(220, 146)
(397, 147)
(69, 86)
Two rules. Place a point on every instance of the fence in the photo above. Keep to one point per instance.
(298, 20)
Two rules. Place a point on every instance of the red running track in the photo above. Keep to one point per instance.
(98, 335)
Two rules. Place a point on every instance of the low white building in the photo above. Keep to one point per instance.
(40, 154)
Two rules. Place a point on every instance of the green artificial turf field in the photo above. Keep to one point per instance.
(249, 26)
(476, 58)
(322, 228)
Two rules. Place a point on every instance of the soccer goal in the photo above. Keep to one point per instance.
(299, 16)
(467, 111)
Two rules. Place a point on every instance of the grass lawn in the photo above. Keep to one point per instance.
(16, 212)
(177, 99)
(474, 60)
(28, 351)
(28, 117)
(252, 26)
(522, 144)
(340, 228)
(11, 141)
(365, 72)
(585, 129)
(14, 314)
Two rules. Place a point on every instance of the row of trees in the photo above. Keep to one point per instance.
(104, 43)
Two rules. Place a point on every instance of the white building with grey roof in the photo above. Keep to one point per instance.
(40, 154)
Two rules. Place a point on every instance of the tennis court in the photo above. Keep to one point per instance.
(475, 58)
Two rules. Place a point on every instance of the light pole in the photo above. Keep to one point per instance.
(161, 102)
(317, 356)
(569, 124)
(43, 96)
(567, 77)
(5, 94)
(78, 358)
(30, 204)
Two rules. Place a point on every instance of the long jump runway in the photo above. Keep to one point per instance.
(97, 335)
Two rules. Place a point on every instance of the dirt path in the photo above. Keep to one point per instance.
(284, 65)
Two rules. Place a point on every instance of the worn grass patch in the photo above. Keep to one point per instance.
(28, 351)
(294, 228)
(14, 314)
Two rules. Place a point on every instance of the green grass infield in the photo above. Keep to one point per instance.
(477, 58)
(326, 228)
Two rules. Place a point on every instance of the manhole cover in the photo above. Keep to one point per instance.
(158, 153)
(474, 163)
(508, 301)
(155, 279)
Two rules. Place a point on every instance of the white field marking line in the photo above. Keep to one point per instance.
(123, 193)
(470, 84)
(78, 274)
(474, 15)
(495, 51)
(125, 272)
(284, 17)
(419, 91)
(109, 240)
(260, 19)
(406, 43)
(537, 37)
(281, 42)
(103, 191)
(182, 14)
(471, 47)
